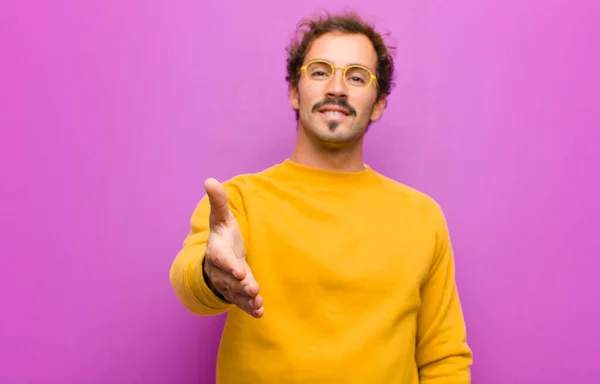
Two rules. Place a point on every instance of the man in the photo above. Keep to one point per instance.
(329, 271)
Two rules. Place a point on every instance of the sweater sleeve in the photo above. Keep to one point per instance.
(186, 270)
(442, 353)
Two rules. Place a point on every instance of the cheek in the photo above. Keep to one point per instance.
(364, 105)
(309, 97)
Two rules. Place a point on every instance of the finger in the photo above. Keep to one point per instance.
(251, 281)
(251, 306)
(217, 197)
(224, 279)
(243, 294)
(224, 282)
(256, 303)
(258, 313)
(249, 288)
(246, 287)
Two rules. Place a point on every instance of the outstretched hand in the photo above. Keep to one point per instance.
(225, 268)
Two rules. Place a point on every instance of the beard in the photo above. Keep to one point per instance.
(333, 135)
(338, 135)
(333, 125)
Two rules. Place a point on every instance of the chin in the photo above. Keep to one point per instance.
(337, 139)
(332, 133)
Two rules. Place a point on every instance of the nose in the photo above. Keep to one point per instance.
(336, 87)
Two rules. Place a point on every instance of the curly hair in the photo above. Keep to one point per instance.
(349, 22)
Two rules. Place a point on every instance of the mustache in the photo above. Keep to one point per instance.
(337, 102)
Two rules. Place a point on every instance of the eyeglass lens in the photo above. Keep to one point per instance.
(355, 76)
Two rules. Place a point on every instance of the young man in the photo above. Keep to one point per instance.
(329, 271)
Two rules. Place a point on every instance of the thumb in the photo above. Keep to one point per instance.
(217, 197)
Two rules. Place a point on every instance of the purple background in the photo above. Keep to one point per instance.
(113, 113)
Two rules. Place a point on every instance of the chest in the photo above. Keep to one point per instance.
(355, 248)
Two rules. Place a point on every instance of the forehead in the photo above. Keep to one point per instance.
(343, 49)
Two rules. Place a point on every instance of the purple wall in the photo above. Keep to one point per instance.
(111, 112)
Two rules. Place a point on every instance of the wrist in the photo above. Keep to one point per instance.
(209, 284)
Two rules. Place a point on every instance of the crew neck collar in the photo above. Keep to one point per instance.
(319, 176)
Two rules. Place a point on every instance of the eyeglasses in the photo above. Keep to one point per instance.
(355, 76)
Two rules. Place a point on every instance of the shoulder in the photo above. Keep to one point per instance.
(415, 198)
(244, 184)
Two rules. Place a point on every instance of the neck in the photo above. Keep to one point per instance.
(311, 153)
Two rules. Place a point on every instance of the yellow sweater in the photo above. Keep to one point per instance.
(357, 276)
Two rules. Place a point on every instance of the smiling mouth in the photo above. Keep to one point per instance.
(332, 109)
(334, 115)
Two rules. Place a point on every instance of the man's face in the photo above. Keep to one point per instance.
(320, 102)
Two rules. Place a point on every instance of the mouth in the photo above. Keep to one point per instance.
(334, 113)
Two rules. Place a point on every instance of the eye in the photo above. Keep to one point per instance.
(319, 71)
(358, 76)
(356, 81)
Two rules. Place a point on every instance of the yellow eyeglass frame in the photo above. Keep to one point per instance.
(345, 69)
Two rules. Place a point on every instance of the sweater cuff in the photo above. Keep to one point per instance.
(194, 280)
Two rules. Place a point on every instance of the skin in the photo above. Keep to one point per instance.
(225, 261)
(322, 142)
(317, 144)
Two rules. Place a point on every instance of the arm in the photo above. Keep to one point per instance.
(443, 355)
(186, 274)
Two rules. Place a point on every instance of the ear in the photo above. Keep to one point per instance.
(378, 108)
(294, 97)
